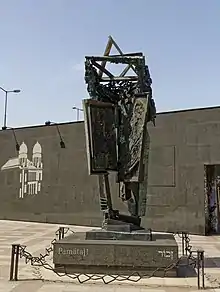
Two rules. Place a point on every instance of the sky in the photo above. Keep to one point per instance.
(44, 42)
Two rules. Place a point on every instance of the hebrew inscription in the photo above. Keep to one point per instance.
(166, 254)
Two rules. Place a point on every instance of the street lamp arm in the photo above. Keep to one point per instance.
(8, 91)
(3, 89)
(77, 111)
(6, 102)
(77, 108)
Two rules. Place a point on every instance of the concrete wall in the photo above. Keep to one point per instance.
(181, 143)
(68, 194)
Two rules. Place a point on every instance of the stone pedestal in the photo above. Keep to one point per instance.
(101, 251)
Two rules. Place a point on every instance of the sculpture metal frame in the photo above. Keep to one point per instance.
(117, 138)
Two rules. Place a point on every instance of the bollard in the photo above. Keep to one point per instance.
(14, 262)
(200, 267)
(184, 243)
(203, 269)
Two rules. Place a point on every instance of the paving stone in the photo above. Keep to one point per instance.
(38, 236)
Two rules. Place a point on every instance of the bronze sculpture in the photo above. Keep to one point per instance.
(116, 120)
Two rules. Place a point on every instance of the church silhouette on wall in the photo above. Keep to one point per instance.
(31, 171)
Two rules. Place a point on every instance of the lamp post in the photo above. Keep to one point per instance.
(77, 111)
(6, 104)
(62, 143)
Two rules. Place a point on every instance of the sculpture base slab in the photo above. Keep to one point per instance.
(76, 254)
(140, 235)
(117, 225)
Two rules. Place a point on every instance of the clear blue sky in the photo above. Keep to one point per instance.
(43, 44)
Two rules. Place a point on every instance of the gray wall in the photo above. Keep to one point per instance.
(181, 143)
(68, 194)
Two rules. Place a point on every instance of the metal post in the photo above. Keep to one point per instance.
(183, 243)
(5, 113)
(203, 270)
(200, 267)
(77, 114)
(17, 248)
(186, 243)
(14, 262)
(61, 233)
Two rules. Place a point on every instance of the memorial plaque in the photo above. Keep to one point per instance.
(100, 128)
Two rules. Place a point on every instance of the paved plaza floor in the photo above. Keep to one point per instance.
(37, 237)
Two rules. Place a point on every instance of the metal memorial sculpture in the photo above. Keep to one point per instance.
(116, 117)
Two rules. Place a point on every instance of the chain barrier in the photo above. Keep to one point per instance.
(215, 282)
(19, 251)
(197, 258)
